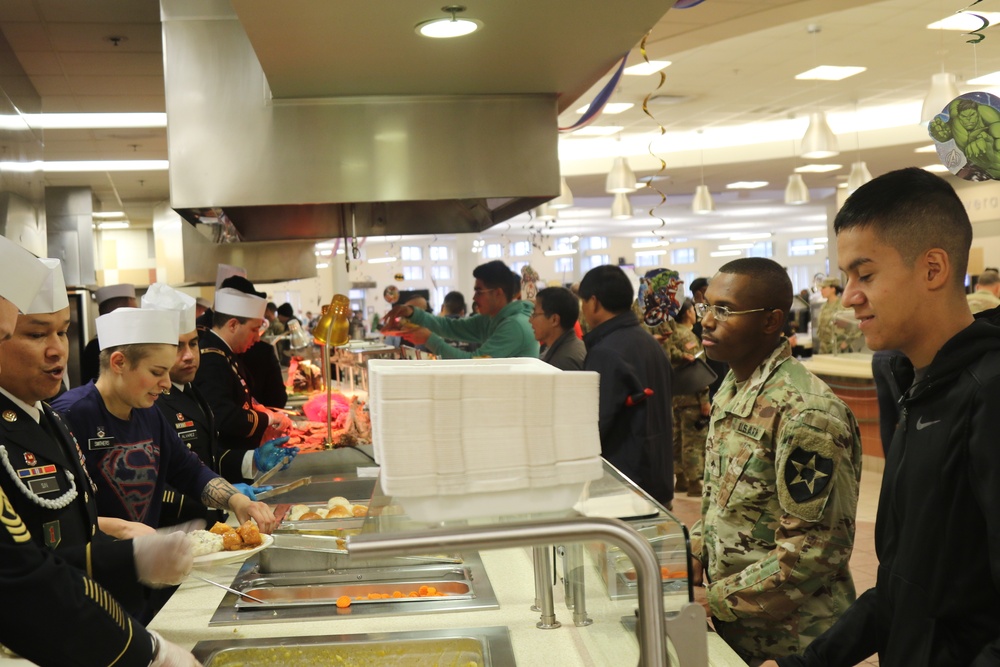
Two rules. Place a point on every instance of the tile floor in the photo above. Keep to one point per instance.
(863, 561)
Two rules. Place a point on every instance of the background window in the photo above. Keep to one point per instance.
(441, 272)
(801, 247)
(493, 251)
(520, 248)
(439, 253)
(411, 253)
(683, 256)
(595, 260)
(648, 260)
(761, 249)
(413, 272)
(517, 266)
(564, 265)
(595, 243)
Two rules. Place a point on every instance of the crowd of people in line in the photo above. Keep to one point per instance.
(172, 431)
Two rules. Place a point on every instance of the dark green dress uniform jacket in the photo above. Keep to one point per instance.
(40, 455)
(191, 416)
(240, 427)
(53, 614)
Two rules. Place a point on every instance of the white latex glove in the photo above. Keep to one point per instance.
(162, 560)
(171, 655)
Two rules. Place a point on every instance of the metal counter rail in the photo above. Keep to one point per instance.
(652, 626)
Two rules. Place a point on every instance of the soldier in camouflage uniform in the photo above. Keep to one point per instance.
(834, 339)
(783, 465)
(690, 410)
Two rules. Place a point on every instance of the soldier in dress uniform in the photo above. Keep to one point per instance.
(782, 469)
(95, 629)
(242, 424)
(189, 412)
(43, 474)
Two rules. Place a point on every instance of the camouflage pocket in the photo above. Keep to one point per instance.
(733, 473)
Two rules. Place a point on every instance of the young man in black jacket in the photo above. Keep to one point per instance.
(903, 240)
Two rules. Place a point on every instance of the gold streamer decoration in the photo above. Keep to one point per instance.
(663, 165)
(977, 34)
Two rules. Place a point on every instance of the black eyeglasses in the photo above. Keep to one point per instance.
(722, 313)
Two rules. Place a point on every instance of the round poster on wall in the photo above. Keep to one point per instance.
(391, 294)
(967, 136)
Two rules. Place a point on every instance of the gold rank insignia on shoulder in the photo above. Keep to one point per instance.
(9, 416)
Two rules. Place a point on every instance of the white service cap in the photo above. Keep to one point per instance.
(134, 326)
(21, 274)
(160, 296)
(203, 302)
(112, 291)
(229, 301)
(51, 297)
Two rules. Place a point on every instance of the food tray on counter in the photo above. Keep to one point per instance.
(317, 526)
(348, 594)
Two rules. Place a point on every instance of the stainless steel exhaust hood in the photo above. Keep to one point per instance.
(310, 120)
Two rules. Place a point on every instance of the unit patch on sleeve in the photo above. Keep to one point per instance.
(807, 474)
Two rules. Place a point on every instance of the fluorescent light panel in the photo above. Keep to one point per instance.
(991, 79)
(86, 165)
(829, 73)
(735, 246)
(750, 236)
(104, 226)
(645, 69)
(82, 121)
(817, 168)
(108, 214)
(557, 253)
(381, 260)
(746, 185)
(322, 265)
(964, 21)
(726, 253)
(650, 253)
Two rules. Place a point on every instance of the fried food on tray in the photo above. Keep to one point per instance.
(220, 528)
(309, 516)
(249, 533)
(359, 510)
(338, 512)
(232, 541)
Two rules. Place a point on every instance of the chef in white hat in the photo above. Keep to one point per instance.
(242, 423)
(131, 450)
(189, 412)
(109, 298)
(31, 572)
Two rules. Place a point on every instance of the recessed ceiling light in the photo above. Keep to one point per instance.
(746, 185)
(449, 27)
(103, 226)
(611, 107)
(817, 168)
(645, 69)
(991, 79)
(598, 130)
(930, 148)
(829, 73)
(108, 214)
(936, 168)
(965, 21)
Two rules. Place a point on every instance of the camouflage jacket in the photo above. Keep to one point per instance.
(835, 339)
(782, 468)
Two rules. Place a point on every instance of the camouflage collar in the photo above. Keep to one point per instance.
(740, 401)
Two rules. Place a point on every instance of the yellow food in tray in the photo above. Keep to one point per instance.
(336, 508)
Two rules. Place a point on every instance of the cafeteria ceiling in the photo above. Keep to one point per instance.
(731, 82)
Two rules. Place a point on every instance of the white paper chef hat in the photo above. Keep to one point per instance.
(229, 301)
(51, 296)
(21, 274)
(132, 326)
(164, 297)
(111, 291)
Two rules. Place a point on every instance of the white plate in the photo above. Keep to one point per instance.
(226, 557)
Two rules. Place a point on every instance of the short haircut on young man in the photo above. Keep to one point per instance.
(913, 211)
(560, 301)
(496, 275)
(454, 303)
(611, 286)
(770, 286)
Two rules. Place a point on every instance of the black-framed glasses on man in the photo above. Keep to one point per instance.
(537, 313)
(483, 290)
(722, 313)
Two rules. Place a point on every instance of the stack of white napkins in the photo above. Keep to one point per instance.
(510, 436)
